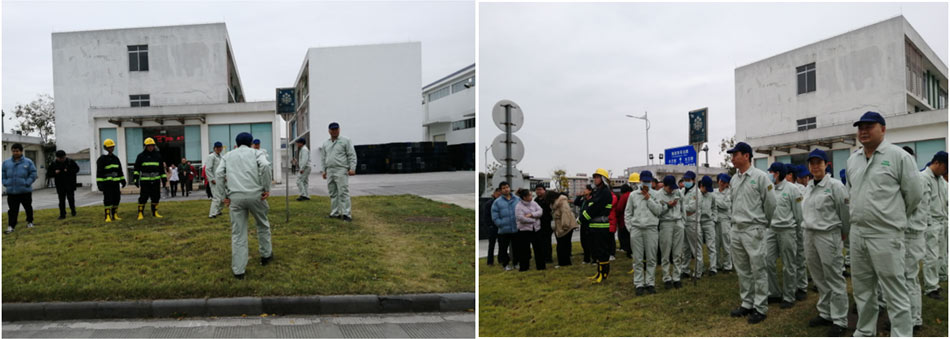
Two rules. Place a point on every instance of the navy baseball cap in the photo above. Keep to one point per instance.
(218, 144)
(777, 167)
(817, 153)
(706, 181)
(646, 176)
(741, 147)
(724, 177)
(870, 116)
(301, 140)
(670, 181)
(334, 125)
(257, 141)
(689, 175)
(791, 168)
(803, 171)
(940, 157)
(244, 138)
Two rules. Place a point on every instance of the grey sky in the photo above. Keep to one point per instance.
(577, 69)
(269, 39)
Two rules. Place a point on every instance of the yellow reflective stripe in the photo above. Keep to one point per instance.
(102, 179)
(112, 166)
(150, 178)
(149, 164)
(600, 225)
(609, 206)
(135, 172)
(586, 216)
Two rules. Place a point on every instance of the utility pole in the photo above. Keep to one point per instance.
(645, 118)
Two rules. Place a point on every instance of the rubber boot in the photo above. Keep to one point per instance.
(155, 211)
(595, 276)
(600, 274)
(606, 270)
(115, 214)
(141, 209)
(108, 215)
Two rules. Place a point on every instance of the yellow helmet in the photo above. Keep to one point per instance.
(602, 172)
(149, 141)
(634, 177)
(108, 143)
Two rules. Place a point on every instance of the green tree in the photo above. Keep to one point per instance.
(725, 145)
(38, 118)
(560, 179)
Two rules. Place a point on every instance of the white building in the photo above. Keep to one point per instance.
(176, 84)
(808, 98)
(372, 91)
(449, 108)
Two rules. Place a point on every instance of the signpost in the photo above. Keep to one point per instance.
(287, 109)
(697, 137)
(684, 155)
(506, 147)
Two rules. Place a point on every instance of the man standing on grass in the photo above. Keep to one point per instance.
(937, 222)
(489, 225)
(64, 171)
(303, 165)
(338, 163)
(544, 234)
(214, 160)
(723, 223)
(885, 189)
(670, 232)
(503, 216)
(148, 173)
(780, 237)
(640, 219)
(246, 174)
(19, 173)
(598, 214)
(826, 221)
(109, 177)
(752, 206)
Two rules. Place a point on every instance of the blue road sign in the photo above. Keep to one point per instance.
(685, 155)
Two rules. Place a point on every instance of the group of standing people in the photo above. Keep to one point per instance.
(888, 215)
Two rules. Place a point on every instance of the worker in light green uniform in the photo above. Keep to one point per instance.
(943, 223)
(694, 242)
(781, 237)
(707, 223)
(338, 163)
(671, 232)
(937, 222)
(214, 159)
(826, 219)
(885, 189)
(723, 223)
(752, 207)
(800, 270)
(640, 218)
(246, 175)
(303, 169)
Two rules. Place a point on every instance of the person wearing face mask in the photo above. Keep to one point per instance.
(707, 223)
(670, 232)
(640, 216)
(693, 233)
(723, 223)
(780, 237)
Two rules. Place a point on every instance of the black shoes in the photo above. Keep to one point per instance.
(684, 276)
(74, 213)
(640, 291)
(814, 288)
(935, 294)
(800, 294)
(773, 300)
(61, 217)
(819, 321)
(651, 290)
(347, 218)
(265, 261)
(740, 312)
(667, 284)
(835, 331)
(677, 284)
(786, 305)
(239, 276)
(302, 198)
(333, 217)
(756, 317)
(712, 273)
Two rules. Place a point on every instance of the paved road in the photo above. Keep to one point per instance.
(418, 325)
(449, 187)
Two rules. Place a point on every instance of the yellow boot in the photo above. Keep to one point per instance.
(115, 214)
(155, 211)
(108, 216)
(600, 275)
(595, 276)
(141, 208)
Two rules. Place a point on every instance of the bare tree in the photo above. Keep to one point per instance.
(38, 117)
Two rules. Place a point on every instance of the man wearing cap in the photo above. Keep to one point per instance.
(826, 220)
(303, 165)
(246, 176)
(338, 162)
(793, 177)
(753, 204)
(691, 232)
(723, 223)
(109, 176)
(64, 172)
(670, 232)
(147, 175)
(780, 238)
(640, 219)
(885, 189)
(937, 222)
(257, 146)
(214, 159)
(598, 214)
(707, 223)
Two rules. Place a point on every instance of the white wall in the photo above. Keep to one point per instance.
(373, 91)
(187, 65)
(859, 71)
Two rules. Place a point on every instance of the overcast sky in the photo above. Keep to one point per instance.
(269, 39)
(577, 69)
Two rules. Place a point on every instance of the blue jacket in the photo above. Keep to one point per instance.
(503, 214)
(18, 176)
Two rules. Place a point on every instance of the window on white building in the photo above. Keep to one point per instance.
(807, 124)
(463, 84)
(463, 124)
(138, 58)
(441, 93)
(139, 100)
(806, 78)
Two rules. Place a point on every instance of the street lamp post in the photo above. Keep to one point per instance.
(644, 118)
(706, 149)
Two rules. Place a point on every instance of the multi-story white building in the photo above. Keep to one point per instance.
(176, 84)
(449, 108)
(372, 91)
(808, 98)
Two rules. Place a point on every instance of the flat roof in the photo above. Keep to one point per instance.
(463, 70)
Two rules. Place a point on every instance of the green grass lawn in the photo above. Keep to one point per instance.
(563, 302)
(396, 244)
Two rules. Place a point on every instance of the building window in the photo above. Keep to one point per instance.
(140, 100)
(463, 124)
(138, 58)
(806, 124)
(806, 78)
(463, 84)
(441, 93)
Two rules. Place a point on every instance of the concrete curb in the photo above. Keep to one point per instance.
(251, 306)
